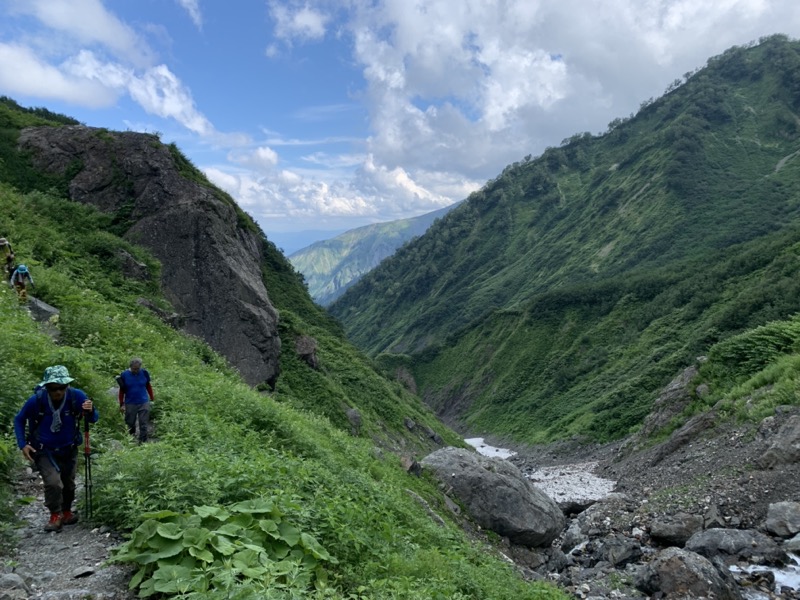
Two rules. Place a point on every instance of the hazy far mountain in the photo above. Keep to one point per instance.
(292, 241)
(331, 266)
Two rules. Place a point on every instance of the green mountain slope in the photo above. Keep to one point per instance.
(338, 509)
(558, 299)
(331, 266)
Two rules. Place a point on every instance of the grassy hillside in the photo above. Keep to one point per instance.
(335, 508)
(331, 266)
(560, 298)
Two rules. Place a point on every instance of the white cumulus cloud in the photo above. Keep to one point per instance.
(297, 22)
(262, 158)
(88, 22)
(22, 72)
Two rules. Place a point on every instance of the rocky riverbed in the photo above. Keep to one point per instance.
(713, 511)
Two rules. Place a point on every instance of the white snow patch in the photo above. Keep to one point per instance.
(571, 482)
(487, 450)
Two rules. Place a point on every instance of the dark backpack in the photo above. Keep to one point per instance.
(120, 382)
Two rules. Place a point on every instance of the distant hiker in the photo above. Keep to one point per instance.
(135, 396)
(48, 433)
(7, 256)
(19, 280)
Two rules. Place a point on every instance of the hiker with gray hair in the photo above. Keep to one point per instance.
(47, 428)
(135, 395)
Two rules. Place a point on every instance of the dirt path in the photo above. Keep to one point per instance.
(68, 565)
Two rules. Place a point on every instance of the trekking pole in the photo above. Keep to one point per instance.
(87, 465)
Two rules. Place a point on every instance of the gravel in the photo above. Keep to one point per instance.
(66, 565)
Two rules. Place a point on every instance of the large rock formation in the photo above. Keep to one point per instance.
(211, 264)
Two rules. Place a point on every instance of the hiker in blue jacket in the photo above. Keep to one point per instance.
(135, 396)
(48, 433)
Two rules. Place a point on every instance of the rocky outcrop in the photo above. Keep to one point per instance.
(497, 496)
(306, 348)
(211, 264)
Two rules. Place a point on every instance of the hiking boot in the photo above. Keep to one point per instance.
(54, 524)
(69, 518)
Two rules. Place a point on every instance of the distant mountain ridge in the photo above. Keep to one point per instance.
(558, 299)
(331, 266)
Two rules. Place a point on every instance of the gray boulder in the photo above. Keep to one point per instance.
(785, 447)
(619, 550)
(783, 519)
(306, 348)
(677, 573)
(793, 545)
(41, 311)
(732, 545)
(13, 587)
(675, 530)
(497, 496)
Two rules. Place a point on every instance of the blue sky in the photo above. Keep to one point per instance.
(329, 115)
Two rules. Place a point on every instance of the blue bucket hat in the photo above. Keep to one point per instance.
(22, 269)
(56, 374)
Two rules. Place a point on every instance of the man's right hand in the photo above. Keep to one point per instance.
(28, 452)
(122, 407)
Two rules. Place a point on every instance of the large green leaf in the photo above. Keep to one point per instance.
(216, 512)
(289, 533)
(196, 537)
(312, 545)
(201, 554)
(171, 531)
(165, 549)
(222, 545)
(171, 579)
(254, 506)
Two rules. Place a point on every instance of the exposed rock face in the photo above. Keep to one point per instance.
(497, 495)
(211, 267)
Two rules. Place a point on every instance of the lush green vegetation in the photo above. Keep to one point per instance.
(242, 494)
(331, 266)
(560, 298)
